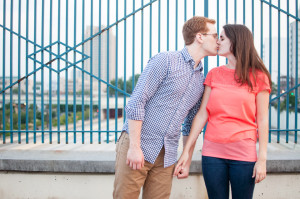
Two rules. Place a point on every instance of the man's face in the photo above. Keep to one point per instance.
(210, 40)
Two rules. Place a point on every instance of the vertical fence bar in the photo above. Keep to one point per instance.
(133, 45)
(67, 77)
(226, 20)
(107, 76)
(261, 28)
(19, 73)
(58, 77)
(142, 37)
(184, 10)
(235, 11)
(218, 28)
(226, 11)
(244, 12)
(99, 75)
(150, 36)
(91, 73)
(270, 62)
(50, 76)
(150, 41)
(206, 58)
(3, 72)
(124, 87)
(34, 78)
(11, 73)
(176, 26)
(168, 21)
(194, 9)
(287, 72)
(278, 77)
(27, 104)
(42, 78)
(82, 78)
(116, 72)
(253, 18)
(297, 75)
(74, 74)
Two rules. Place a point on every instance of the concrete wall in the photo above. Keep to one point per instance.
(87, 172)
(37, 185)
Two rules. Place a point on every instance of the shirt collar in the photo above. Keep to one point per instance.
(188, 59)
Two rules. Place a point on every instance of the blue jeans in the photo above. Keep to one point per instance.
(218, 173)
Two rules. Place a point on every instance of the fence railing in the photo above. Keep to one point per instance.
(68, 67)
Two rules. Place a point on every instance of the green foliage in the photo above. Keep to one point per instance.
(274, 88)
(129, 88)
(54, 122)
(15, 91)
(86, 114)
(291, 105)
(78, 116)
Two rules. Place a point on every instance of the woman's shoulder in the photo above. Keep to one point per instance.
(260, 76)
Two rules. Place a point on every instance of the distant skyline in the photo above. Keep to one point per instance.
(139, 61)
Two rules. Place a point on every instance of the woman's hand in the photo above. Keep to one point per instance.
(182, 168)
(259, 171)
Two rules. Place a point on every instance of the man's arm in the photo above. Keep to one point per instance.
(146, 87)
(135, 156)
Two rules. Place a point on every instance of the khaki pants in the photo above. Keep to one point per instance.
(155, 179)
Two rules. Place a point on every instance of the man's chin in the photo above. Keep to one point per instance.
(213, 54)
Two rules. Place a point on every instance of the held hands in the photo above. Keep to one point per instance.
(259, 171)
(183, 167)
(135, 158)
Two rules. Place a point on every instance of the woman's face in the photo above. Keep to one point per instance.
(224, 45)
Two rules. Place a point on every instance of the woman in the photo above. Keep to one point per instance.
(235, 104)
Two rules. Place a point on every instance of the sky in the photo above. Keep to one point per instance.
(133, 37)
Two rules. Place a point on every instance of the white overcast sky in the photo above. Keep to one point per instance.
(199, 10)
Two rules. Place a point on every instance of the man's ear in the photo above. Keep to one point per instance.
(199, 38)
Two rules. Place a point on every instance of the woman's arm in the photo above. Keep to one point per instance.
(183, 164)
(262, 105)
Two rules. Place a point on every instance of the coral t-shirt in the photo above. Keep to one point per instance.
(231, 131)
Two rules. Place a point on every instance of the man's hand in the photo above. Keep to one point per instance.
(135, 158)
(182, 168)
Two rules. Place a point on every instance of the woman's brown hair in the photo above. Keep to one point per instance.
(247, 58)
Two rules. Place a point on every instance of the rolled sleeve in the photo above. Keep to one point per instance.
(150, 79)
(135, 113)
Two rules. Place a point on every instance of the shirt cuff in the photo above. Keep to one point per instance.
(134, 113)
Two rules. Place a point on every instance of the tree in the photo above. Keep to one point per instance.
(292, 102)
(129, 88)
(274, 88)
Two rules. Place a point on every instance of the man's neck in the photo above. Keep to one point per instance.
(196, 53)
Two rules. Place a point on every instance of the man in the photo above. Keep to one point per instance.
(168, 88)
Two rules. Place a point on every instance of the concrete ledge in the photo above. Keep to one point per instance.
(104, 161)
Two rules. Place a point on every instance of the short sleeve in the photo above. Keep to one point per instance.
(208, 78)
(263, 83)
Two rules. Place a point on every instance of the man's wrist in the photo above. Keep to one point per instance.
(134, 146)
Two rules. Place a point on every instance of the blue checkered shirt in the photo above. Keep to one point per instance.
(168, 88)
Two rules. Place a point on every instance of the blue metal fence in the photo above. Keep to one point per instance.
(69, 67)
